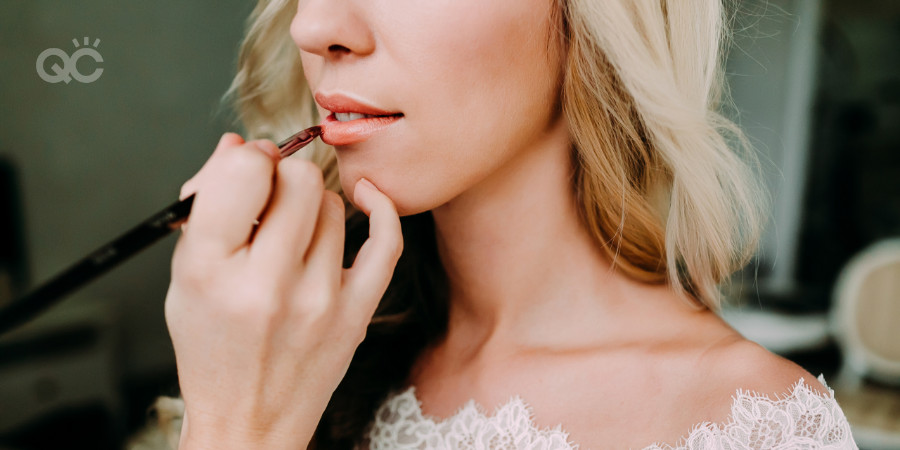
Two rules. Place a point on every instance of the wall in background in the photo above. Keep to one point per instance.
(772, 73)
(817, 88)
(853, 194)
(95, 159)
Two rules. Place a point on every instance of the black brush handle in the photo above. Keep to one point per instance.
(110, 255)
(97, 263)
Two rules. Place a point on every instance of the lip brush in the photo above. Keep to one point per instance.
(100, 261)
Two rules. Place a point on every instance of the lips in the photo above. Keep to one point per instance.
(352, 121)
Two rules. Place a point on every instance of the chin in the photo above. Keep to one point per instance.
(405, 199)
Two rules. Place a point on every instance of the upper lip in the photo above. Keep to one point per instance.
(339, 103)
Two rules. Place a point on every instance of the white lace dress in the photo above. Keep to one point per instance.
(803, 419)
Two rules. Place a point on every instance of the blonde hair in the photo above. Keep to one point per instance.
(664, 181)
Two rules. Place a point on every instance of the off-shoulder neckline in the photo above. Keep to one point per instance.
(798, 391)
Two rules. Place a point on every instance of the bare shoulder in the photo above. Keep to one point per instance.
(737, 363)
(671, 390)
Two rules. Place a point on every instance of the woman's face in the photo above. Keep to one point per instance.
(458, 89)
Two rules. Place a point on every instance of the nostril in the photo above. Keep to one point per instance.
(335, 48)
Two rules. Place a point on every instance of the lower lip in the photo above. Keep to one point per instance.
(346, 133)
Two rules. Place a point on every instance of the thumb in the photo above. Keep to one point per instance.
(368, 277)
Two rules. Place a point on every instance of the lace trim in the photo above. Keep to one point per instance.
(802, 419)
(401, 424)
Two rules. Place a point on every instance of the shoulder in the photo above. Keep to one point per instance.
(712, 358)
(741, 384)
(734, 363)
(716, 362)
(737, 389)
(703, 393)
(696, 381)
(749, 391)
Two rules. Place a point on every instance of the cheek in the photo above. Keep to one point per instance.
(492, 74)
(498, 46)
(476, 82)
(484, 60)
(312, 69)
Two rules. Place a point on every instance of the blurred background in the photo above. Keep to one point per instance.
(816, 85)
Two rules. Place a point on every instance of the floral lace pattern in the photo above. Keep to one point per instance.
(803, 419)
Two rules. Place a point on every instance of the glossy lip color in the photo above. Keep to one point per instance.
(336, 133)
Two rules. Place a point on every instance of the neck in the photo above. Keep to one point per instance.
(521, 267)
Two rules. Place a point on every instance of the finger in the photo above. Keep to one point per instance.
(288, 223)
(371, 272)
(230, 197)
(190, 186)
(325, 258)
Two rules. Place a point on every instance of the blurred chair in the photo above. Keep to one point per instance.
(865, 320)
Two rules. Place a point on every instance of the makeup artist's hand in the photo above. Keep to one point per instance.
(264, 323)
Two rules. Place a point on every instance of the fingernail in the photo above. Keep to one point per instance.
(231, 135)
(268, 147)
(368, 184)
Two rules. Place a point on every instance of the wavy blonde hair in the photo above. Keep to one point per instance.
(666, 184)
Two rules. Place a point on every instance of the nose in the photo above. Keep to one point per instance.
(332, 29)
